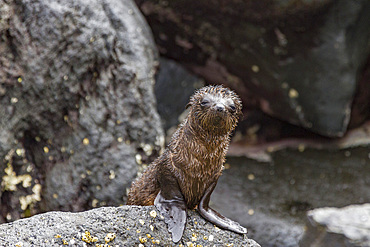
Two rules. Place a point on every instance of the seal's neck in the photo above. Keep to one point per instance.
(213, 136)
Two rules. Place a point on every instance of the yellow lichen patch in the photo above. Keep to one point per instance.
(148, 235)
(46, 150)
(20, 152)
(19, 244)
(156, 241)
(143, 240)
(8, 216)
(120, 139)
(251, 177)
(293, 93)
(86, 237)
(86, 141)
(153, 213)
(148, 149)
(28, 200)
(94, 203)
(255, 68)
(57, 236)
(112, 174)
(26, 180)
(11, 180)
(110, 236)
(20, 79)
(251, 212)
(65, 242)
(138, 159)
(270, 149)
(190, 244)
(103, 245)
(301, 147)
(194, 237)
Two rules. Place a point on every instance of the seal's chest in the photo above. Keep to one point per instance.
(196, 185)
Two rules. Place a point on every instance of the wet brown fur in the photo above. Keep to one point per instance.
(196, 152)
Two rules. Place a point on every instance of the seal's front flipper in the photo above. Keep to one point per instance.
(174, 213)
(216, 218)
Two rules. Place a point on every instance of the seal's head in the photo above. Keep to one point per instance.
(215, 109)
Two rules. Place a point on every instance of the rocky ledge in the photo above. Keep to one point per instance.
(339, 227)
(114, 226)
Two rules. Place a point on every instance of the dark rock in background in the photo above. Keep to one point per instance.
(173, 88)
(76, 103)
(298, 61)
(272, 198)
(339, 227)
(122, 226)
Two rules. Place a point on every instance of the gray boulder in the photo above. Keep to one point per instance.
(116, 226)
(77, 104)
(298, 61)
(173, 88)
(339, 227)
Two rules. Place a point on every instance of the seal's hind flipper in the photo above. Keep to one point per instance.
(174, 213)
(216, 218)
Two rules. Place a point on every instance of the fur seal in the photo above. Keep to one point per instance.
(185, 175)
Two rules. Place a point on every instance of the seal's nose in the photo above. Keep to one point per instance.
(220, 107)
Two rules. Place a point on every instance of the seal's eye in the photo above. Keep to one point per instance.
(232, 108)
(204, 102)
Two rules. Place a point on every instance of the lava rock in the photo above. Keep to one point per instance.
(77, 104)
(297, 61)
(348, 226)
(173, 88)
(117, 226)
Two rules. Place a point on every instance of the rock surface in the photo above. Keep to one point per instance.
(347, 227)
(272, 198)
(297, 61)
(122, 226)
(173, 88)
(77, 104)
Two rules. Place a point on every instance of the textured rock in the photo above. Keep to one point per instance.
(129, 225)
(76, 103)
(272, 199)
(298, 61)
(347, 227)
(173, 88)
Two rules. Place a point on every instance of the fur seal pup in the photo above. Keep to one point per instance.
(185, 175)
